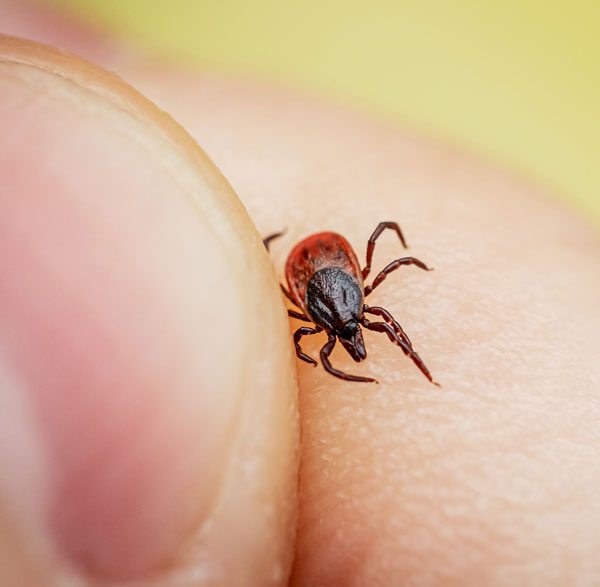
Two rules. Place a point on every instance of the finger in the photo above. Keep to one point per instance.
(144, 358)
(491, 479)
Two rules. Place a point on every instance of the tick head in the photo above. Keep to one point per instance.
(352, 340)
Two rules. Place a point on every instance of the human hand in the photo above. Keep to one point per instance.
(148, 374)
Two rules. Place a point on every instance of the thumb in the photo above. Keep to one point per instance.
(147, 419)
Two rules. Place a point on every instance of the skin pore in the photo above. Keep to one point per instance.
(489, 480)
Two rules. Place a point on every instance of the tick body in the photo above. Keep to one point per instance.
(327, 284)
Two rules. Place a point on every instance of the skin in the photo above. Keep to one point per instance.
(491, 479)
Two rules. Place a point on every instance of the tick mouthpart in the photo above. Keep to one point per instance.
(352, 340)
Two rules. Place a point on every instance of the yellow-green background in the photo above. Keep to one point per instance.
(516, 80)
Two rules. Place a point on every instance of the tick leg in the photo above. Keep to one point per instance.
(392, 267)
(303, 331)
(299, 316)
(408, 350)
(326, 351)
(287, 294)
(267, 242)
(371, 244)
(383, 313)
(272, 237)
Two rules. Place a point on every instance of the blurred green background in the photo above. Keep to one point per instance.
(518, 81)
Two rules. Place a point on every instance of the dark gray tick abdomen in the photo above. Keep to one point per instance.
(333, 297)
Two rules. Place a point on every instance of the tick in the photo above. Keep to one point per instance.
(327, 284)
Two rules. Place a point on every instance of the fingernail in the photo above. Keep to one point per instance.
(119, 308)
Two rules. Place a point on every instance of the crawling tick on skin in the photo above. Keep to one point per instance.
(327, 284)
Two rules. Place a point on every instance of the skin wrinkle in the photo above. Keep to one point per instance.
(404, 524)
